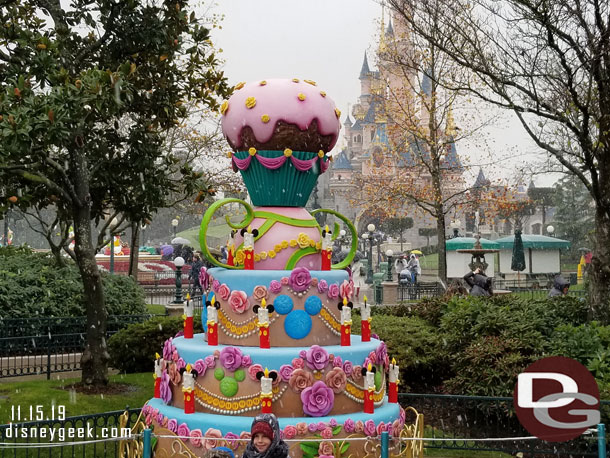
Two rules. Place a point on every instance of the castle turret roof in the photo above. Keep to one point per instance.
(389, 30)
(341, 161)
(365, 70)
(348, 121)
(481, 181)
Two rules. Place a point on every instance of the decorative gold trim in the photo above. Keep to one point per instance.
(411, 448)
(132, 448)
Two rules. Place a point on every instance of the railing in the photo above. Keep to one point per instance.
(417, 291)
(459, 417)
(48, 345)
(104, 428)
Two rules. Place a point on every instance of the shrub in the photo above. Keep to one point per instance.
(32, 285)
(133, 349)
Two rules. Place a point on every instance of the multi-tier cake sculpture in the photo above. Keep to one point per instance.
(278, 320)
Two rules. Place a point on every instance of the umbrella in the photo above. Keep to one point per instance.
(417, 252)
(167, 250)
(517, 262)
(180, 241)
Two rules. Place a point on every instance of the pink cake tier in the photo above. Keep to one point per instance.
(305, 305)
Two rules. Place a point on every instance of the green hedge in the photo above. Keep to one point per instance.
(133, 349)
(32, 285)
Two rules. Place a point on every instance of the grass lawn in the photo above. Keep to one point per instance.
(138, 389)
(155, 309)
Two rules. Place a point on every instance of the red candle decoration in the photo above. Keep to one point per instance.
(213, 322)
(327, 248)
(188, 387)
(365, 323)
(263, 323)
(393, 379)
(188, 317)
(249, 235)
(157, 375)
(346, 322)
(231, 249)
(266, 379)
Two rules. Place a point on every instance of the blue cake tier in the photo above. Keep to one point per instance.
(305, 308)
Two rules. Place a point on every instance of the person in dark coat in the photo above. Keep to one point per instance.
(480, 284)
(266, 441)
(560, 287)
(194, 274)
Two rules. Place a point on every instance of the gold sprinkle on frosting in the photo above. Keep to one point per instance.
(224, 107)
(287, 152)
(238, 86)
(338, 112)
(230, 154)
(313, 83)
(323, 94)
(252, 151)
(295, 80)
(301, 96)
(320, 153)
(263, 83)
(251, 102)
(265, 118)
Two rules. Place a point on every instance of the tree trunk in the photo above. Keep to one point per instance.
(57, 254)
(600, 269)
(134, 253)
(440, 236)
(94, 362)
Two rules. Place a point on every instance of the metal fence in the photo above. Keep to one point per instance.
(47, 345)
(417, 291)
(472, 417)
(103, 427)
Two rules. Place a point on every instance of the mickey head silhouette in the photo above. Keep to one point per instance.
(365, 370)
(254, 232)
(272, 375)
(349, 304)
(209, 304)
(193, 372)
(269, 308)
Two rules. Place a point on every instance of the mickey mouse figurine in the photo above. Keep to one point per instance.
(369, 388)
(249, 235)
(267, 378)
(263, 312)
(188, 387)
(212, 308)
(327, 248)
(346, 322)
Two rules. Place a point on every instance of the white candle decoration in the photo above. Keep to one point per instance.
(188, 381)
(346, 315)
(248, 240)
(266, 384)
(158, 363)
(393, 372)
(365, 312)
(189, 308)
(369, 380)
(327, 240)
(212, 314)
(263, 315)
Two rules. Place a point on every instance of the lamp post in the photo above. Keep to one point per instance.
(341, 238)
(174, 226)
(113, 225)
(550, 230)
(370, 237)
(389, 254)
(178, 262)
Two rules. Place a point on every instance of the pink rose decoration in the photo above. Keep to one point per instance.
(357, 373)
(175, 356)
(200, 366)
(369, 428)
(166, 391)
(180, 363)
(196, 437)
(327, 433)
(183, 431)
(336, 380)
(216, 353)
(172, 425)
(381, 427)
(396, 428)
(209, 361)
(260, 292)
(348, 368)
(160, 418)
(359, 426)
(245, 435)
(314, 281)
(301, 428)
(238, 300)
(290, 432)
(204, 278)
(230, 358)
(168, 349)
(316, 357)
(174, 374)
(348, 426)
(286, 372)
(246, 361)
(232, 440)
(381, 352)
(333, 291)
(300, 380)
(215, 286)
(337, 361)
(300, 279)
(284, 281)
(332, 423)
(321, 426)
(148, 420)
(317, 400)
(322, 286)
(298, 363)
(275, 287)
(224, 292)
(373, 357)
(347, 289)
(326, 447)
(312, 427)
(326, 456)
(253, 370)
(211, 441)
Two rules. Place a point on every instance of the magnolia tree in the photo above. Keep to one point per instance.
(88, 90)
(547, 62)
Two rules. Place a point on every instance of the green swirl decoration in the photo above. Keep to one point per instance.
(205, 222)
(352, 252)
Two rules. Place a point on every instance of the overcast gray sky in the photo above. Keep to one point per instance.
(325, 40)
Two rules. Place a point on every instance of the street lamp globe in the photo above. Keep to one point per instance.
(365, 236)
(389, 253)
(371, 227)
(179, 261)
(342, 232)
(551, 230)
(175, 222)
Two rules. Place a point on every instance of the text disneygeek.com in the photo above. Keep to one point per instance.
(62, 434)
